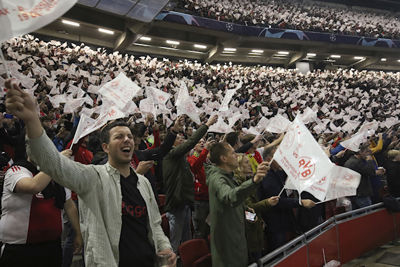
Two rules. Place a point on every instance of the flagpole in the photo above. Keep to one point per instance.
(323, 201)
(8, 73)
(281, 191)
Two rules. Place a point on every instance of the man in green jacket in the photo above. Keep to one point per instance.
(179, 185)
(227, 208)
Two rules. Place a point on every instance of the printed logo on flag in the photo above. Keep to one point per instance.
(306, 168)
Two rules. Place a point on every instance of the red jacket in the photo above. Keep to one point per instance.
(81, 154)
(197, 168)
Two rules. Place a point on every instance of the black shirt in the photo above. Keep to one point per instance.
(134, 245)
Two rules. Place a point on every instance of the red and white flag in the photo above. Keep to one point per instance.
(24, 16)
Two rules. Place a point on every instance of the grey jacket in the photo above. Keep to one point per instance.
(100, 201)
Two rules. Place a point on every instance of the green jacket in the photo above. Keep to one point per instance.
(254, 230)
(227, 207)
(178, 179)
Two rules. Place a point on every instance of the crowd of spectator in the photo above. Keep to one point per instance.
(199, 173)
(298, 15)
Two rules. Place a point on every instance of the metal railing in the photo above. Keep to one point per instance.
(285, 251)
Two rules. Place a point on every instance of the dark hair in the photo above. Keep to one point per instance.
(232, 138)
(248, 138)
(268, 151)
(105, 132)
(217, 150)
(138, 129)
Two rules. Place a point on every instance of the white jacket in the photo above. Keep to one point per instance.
(100, 201)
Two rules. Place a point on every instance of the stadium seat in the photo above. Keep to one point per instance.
(192, 251)
(204, 261)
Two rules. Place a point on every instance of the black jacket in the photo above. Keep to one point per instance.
(279, 218)
(367, 170)
(393, 177)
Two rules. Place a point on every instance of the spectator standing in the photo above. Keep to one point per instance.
(179, 187)
(201, 205)
(227, 208)
(114, 235)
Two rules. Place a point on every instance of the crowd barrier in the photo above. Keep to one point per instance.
(343, 238)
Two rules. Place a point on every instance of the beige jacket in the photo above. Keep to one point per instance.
(100, 202)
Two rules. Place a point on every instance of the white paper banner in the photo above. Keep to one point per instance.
(303, 160)
(278, 124)
(120, 91)
(227, 98)
(24, 16)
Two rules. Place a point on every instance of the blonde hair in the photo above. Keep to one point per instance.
(238, 171)
(391, 154)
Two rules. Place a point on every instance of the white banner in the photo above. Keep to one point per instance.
(343, 182)
(159, 97)
(227, 98)
(24, 16)
(304, 161)
(278, 124)
(185, 105)
(84, 123)
(111, 114)
(220, 127)
(120, 91)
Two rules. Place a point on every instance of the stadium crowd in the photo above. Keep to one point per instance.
(298, 15)
(209, 174)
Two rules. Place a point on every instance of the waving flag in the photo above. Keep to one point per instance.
(24, 16)
(309, 168)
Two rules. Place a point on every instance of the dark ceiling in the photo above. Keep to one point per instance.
(128, 32)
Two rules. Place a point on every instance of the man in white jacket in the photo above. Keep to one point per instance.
(120, 221)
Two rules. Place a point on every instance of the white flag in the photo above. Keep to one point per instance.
(251, 130)
(278, 124)
(84, 123)
(120, 91)
(185, 105)
(234, 118)
(159, 97)
(304, 161)
(220, 127)
(73, 104)
(343, 182)
(147, 106)
(112, 113)
(308, 116)
(227, 98)
(24, 16)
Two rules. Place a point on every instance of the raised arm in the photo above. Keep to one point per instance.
(73, 175)
(193, 140)
(237, 195)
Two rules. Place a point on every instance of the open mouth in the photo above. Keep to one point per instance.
(126, 149)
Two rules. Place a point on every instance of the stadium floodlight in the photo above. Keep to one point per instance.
(199, 46)
(106, 31)
(229, 49)
(171, 42)
(283, 53)
(72, 23)
(383, 59)
(145, 38)
(311, 55)
(336, 56)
